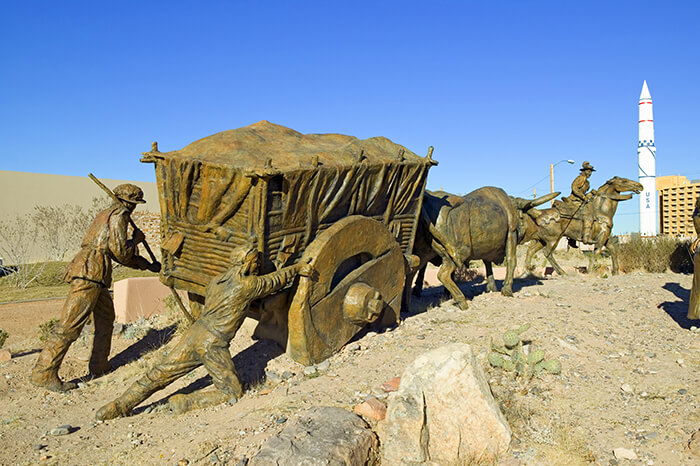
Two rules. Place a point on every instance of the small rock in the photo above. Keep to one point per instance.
(372, 409)
(265, 391)
(280, 419)
(38, 446)
(286, 375)
(61, 430)
(323, 366)
(354, 347)
(624, 454)
(82, 385)
(391, 385)
(214, 458)
(627, 388)
(118, 328)
(242, 462)
(420, 337)
(680, 362)
(271, 377)
(183, 462)
(682, 391)
(5, 355)
(651, 435)
(310, 370)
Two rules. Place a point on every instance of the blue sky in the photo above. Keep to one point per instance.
(501, 89)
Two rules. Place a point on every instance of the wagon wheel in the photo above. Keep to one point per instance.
(360, 280)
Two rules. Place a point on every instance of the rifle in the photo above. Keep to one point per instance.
(131, 221)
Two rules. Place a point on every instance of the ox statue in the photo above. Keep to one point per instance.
(548, 226)
(485, 224)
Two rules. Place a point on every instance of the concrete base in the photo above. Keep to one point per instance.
(140, 297)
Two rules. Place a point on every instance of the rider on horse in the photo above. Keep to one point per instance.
(579, 198)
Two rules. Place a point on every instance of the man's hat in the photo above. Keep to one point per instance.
(239, 254)
(129, 193)
(587, 166)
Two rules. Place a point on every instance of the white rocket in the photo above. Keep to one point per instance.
(647, 165)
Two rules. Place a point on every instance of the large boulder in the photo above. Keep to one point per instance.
(444, 413)
(322, 436)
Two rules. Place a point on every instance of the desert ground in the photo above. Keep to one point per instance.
(630, 378)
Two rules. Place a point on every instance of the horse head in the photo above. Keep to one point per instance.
(616, 185)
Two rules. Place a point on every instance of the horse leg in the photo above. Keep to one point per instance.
(445, 277)
(490, 282)
(418, 287)
(613, 256)
(511, 260)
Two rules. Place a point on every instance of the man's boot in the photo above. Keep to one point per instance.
(122, 406)
(45, 372)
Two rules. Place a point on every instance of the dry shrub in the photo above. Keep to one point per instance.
(47, 234)
(655, 255)
(3, 337)
(46, 329)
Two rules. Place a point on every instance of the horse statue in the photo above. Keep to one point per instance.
(547, 226)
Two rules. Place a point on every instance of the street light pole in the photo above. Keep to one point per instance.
(551, 176)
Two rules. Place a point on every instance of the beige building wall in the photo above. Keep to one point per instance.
(676, 206)
(670, 181)
(21, 191)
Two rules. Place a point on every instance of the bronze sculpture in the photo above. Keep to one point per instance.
(90, 276)
(579, 198)
(694, 305)
(348, 207)
(548, 226)
(485, 224)
(206, 341)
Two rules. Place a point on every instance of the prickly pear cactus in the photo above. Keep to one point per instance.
(552, 366)
(511, 356)
(511, 339)
(496, 359)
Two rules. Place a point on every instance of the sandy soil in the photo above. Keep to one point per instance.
(630, 379)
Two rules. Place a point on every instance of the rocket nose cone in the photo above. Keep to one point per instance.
(645, 92)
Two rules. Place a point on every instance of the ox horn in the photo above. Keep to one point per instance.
(527, 204)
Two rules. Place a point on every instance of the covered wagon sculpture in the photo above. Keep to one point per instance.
(347, 206)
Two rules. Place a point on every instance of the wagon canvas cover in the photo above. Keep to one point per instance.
(281, 186)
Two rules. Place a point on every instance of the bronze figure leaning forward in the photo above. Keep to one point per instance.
(90, 276)
(206, 341)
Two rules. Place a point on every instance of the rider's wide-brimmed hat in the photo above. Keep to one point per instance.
(129, 193)
(587, 166)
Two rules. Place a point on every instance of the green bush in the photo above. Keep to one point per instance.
(3, 337)
(655, 255)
